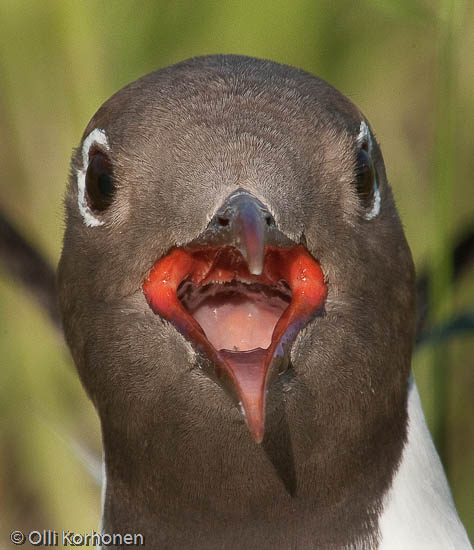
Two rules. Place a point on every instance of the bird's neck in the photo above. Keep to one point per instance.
(323, 492)
(232, 493)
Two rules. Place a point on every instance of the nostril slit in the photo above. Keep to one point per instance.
(222, 221)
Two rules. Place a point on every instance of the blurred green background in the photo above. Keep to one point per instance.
(408, 65)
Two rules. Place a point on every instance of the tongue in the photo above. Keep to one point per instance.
(236, 322)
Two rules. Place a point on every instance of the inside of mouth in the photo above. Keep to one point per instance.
(239, 320)
(212, 298)
(236, 316)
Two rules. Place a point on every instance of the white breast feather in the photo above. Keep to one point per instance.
(419, 511)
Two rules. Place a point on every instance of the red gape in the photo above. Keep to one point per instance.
(246, 370)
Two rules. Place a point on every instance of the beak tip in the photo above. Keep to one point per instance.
(258, 433)
(256, 424)
(256, 269)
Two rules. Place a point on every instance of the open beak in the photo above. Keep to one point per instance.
(239, 293)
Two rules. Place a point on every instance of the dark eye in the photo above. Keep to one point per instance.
(365, 177)
(100, 186)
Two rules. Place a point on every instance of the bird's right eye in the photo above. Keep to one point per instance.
(100, 185)
(366, 178)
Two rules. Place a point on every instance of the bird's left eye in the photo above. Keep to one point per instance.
(100, 186)
(366, 178)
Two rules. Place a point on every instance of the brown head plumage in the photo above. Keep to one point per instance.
(158, 165)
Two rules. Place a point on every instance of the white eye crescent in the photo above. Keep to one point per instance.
(364, 136)
(96, 137)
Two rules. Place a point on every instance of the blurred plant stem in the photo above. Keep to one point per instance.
(444, 167)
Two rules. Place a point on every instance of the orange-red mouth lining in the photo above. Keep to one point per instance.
(247, 371)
